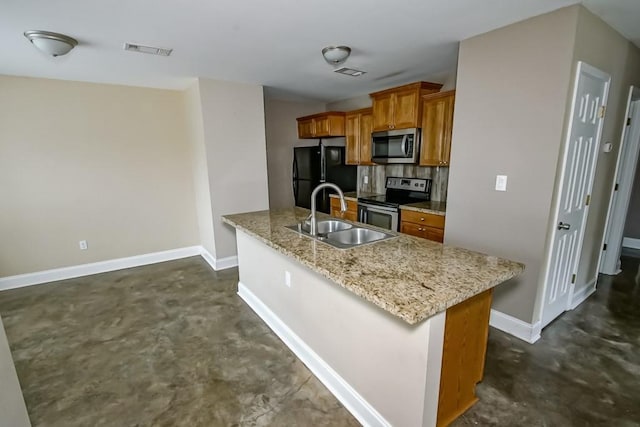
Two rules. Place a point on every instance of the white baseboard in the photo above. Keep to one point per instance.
(356, 404)
(219, 264)
(628, 242)
(525, 331)
(578, 297)
(21, 280)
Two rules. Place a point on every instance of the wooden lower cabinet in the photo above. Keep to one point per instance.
(352, 209)
(425, 225)
(465, 344)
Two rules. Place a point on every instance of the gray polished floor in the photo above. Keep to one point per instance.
(584, 371)
(172, 345)
(164, 345)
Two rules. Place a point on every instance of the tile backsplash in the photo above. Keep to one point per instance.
(377, 176)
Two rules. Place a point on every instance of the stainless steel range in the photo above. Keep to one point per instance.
(383, 210)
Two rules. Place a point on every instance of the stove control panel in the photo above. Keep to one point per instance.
(409, 184)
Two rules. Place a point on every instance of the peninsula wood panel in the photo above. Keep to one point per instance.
(465, 343)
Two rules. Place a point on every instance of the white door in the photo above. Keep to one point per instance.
(579, 162)
(625, 173)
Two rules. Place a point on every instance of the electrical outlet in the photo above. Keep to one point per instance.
(83, 245)
(365, 179)
(501, 182)
(287, 279)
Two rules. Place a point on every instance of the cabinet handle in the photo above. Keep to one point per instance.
(421, 219)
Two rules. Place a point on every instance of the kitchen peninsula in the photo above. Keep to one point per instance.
(395, 329)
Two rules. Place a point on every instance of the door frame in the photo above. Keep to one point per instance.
(581, 67)
(625, 172)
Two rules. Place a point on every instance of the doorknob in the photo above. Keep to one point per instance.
(563, 226)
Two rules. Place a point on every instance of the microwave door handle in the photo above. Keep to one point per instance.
(403, 146)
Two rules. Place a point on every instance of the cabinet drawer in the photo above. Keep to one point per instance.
(430, 220)
(426, 232)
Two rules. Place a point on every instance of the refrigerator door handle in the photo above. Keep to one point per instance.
(323, 163)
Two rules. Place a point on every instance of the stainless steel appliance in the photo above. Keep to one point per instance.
(318, 164)
(383, 210)
(395, 146)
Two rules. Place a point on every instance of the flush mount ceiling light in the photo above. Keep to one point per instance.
(336, 55)
(53, 44)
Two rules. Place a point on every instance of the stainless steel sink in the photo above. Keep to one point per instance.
(356, 236)
(327, 226)
(341, 234)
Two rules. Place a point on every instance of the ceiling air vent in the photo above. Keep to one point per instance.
(350, 72)
(147, 49)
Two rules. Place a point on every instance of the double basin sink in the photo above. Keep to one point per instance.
(341, 234)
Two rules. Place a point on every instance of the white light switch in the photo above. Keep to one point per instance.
(365, 179)
(501, 182)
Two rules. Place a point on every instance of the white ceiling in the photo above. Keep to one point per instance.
(275, 43)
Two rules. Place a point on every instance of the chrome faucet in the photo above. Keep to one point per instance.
(343, 204)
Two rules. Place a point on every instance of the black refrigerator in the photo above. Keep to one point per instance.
(314, 165)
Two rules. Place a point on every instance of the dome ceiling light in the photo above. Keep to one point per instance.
(336, 55)
(53, 44)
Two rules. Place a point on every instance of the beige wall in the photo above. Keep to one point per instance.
(234, 139)
(602, 47)
(282, 136)
(200, 168)
(104, 163)
(511, 96)
(632, 224)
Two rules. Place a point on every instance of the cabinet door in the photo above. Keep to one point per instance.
(305, 128)
(405, 109)
(437, 125)
(382, 112)
(366, 126)
(352, 139)
(321, 127)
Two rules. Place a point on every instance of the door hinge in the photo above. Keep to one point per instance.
(586, 203)
(573, 278)
(602, 111)
(628, 121)
(604, 247)
(616, 187)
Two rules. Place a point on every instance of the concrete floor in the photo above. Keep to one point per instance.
(171, 344)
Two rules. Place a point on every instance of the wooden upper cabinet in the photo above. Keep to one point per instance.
(329, 124)
(437, 125)
(400, 107)
(358, 137)
(366, 127)
(382, 112)
(352, 138)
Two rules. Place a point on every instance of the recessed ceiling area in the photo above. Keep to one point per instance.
(276, 44)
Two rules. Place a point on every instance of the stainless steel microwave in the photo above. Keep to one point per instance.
(395, 146)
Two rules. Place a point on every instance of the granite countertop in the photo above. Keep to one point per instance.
(437, 208)
(410, 277)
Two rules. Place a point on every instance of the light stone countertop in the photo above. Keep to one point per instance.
(436, 208)
(410, 277)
